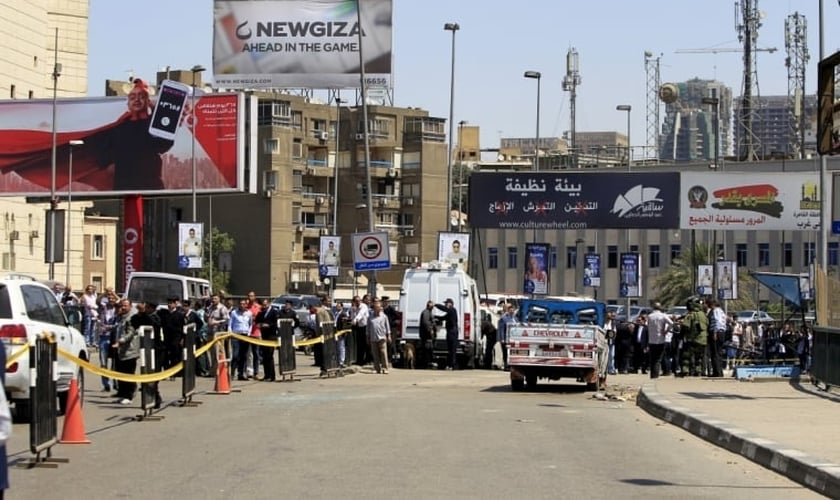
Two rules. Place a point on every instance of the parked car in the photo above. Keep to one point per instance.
(28, 308)
(300, 303)
(677, 311)
(754, 317)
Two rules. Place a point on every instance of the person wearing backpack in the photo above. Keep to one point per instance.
(695, 331)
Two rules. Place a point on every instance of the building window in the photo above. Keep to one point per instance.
(720, 250)
(832, 253)
(493, 258)
(741, 254)
(763, 254)
(97, 247)
(788, 255)
(634, 248)
(98, 282)
(676, 251)
(653, 254)
(808, 253)
(612, 257)
(297, 150)
(571, 257)
(8, 261)
(271, 146)
(552, 257)
(512, 258)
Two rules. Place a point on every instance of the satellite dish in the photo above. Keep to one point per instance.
(326, 281)
(669, 93)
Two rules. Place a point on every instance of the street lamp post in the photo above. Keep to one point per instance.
(338, 103)
(194, 70)
(73, 144)
(453, 27)
(538, 76)
(627, 108)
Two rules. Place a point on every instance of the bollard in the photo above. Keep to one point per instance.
(43, 427)
(330, 355)
(148, 365)
(189, 369)
(286, 356)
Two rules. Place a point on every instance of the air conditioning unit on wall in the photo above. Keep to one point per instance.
(321, 135)
(360, 137)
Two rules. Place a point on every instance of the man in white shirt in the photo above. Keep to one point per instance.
(361, 314)
(659, 324)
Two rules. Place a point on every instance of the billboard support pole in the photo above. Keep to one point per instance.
(369, 200)
(53, 201)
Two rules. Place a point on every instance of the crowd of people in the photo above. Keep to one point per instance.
(704, 342)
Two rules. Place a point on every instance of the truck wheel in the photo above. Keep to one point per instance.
(517, 384)
(531, 380)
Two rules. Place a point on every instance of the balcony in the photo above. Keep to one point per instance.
(386, 201)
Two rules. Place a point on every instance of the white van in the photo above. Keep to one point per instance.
(158, 288)
(436, 282)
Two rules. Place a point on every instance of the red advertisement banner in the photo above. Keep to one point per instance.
(117, 153)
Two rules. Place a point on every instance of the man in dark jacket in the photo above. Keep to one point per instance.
(640, 345)
(451, 319)
(267, 320)
(173, 321)
(428, 332)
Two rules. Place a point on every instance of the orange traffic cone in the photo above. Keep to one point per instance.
(74, 424)
(222, 382)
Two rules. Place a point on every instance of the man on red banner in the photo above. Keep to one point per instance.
(128, 145)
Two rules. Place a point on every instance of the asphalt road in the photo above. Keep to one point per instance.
(408, 434)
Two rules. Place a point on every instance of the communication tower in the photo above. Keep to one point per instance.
(796, 45)
(747, 23)
(570, 83)
(652, 103)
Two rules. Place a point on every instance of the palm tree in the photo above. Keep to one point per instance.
(677, 283)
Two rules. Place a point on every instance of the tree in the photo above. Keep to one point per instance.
(220, 243)
(676, 284)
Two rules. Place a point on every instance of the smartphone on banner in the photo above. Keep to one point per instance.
(171, 99)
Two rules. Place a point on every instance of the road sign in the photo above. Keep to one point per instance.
(371, 251)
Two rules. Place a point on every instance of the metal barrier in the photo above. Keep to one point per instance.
(148, 364)
(329, 360)
(189, 369)
(349, 345)
(43, 427)
(286, 357)
(825, 356)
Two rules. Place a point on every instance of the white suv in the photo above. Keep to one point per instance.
(28, 308)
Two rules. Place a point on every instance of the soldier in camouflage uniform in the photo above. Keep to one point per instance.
(695, 331)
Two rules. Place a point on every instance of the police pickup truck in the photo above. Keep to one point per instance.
(557, 338)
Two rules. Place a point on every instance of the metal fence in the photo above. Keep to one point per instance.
(825, 358)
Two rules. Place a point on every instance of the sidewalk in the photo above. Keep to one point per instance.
(785, 425)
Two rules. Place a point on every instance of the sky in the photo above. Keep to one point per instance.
(497, 42)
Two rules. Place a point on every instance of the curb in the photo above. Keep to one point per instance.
(818, 475)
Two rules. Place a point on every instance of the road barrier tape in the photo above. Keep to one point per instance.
(170, 372)
(14, 357)
(125, 377)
